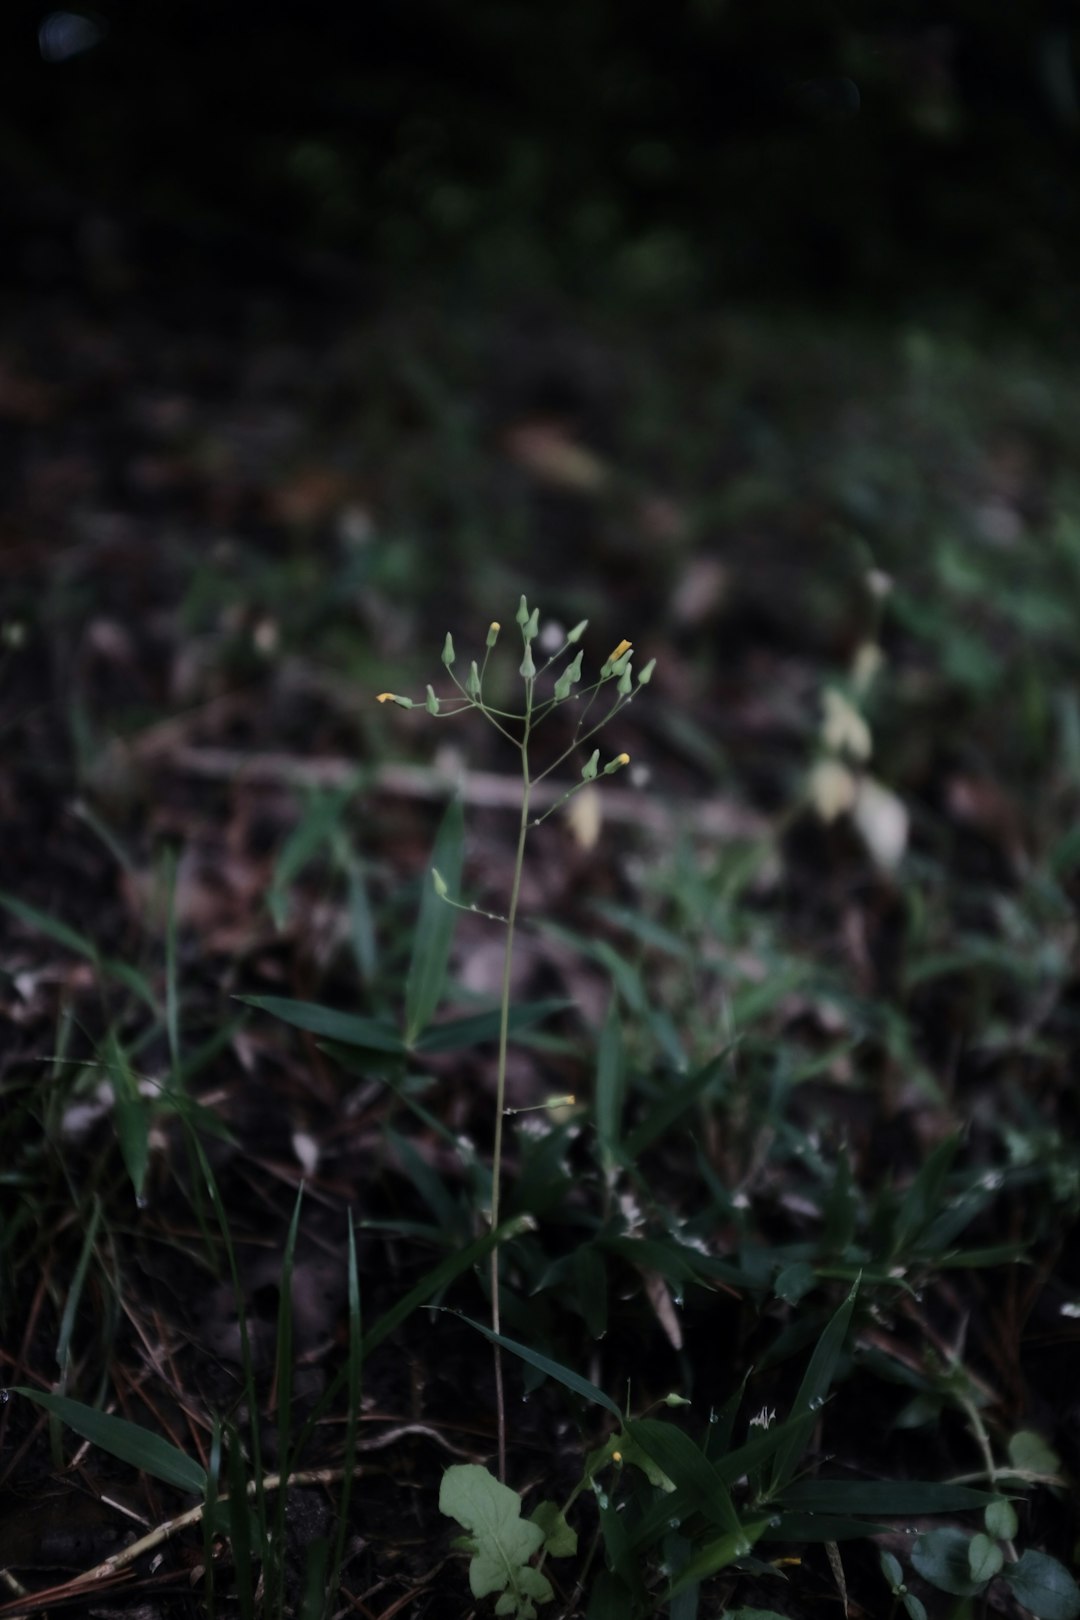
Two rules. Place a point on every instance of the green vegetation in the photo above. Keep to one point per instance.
(752, 1150)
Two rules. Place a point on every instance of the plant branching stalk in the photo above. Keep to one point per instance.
(471, 696)
(500, 1086)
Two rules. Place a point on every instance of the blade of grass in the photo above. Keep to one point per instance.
(125, 1441)
(553, 1369)
(813, 1390)
(435, 926)
(350, 1030)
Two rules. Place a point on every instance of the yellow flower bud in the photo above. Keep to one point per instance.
(385, 697)
(623, 647)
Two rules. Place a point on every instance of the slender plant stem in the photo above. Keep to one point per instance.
(500, 1090)
(982, 1440)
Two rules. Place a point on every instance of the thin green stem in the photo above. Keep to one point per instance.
(500, 1084)
(982, 1440)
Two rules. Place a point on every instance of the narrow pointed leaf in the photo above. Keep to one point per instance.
(479, 1027)
(125, 1441)
(813, 1389)
(347, 1028)
(553, 1369)
(435, 926)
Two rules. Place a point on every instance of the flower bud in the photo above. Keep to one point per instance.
(448, 650)
(645, 675)
(531, 628)
(472, 682)
(616, 764)
(589, 769)
(522, 614)
(395, 697)
(439, 882)
(577, 632)
(528, 668)
(432, 704)
(493, 632)
(626, 685)
(569, 677)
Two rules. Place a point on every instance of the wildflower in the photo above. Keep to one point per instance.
(493, 632)
(616, 764)
(395, 697)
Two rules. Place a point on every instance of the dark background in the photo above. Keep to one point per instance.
(883, 156)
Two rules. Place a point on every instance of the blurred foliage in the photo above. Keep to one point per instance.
(808, 149)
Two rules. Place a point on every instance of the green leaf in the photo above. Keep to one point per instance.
(792, 1432)
(925, 1197)
(813, 1390)
(435, 926)
(123, 1440)
(502, 1542)
(61, 934)
(553, 1369)
(794, 1281)
(436, 1280)
(132, 1114)
(559, 1539)
(371, 1033)
(664, 1113)
(479, 1027)
(1000, 1519)
(687, 1466)
(941, 1557)
(821, 1527)
(1030, 1453)
(1044, 1586)
(878, 1496)
(892, 1570)
(985, 1558)
(630, 1452)
(716, 1555)
(914, 1607)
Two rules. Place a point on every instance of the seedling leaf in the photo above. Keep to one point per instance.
(985, 1558)
(560, 1540)
(501, 1542)
(1044, 1586)
(941, 1557)
(1030, 1454)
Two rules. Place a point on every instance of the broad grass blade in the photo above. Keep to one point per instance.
(125, 1441)
(347, 1028)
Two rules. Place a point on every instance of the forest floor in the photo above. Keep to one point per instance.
(807, 967)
